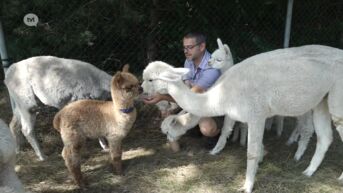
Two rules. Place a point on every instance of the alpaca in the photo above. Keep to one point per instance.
(8, 177)
(91, 119)
(285, 82)
(222, 59)
(54, 82)
(302, 133)
(174, 126)
(166, 108)
(185, 121)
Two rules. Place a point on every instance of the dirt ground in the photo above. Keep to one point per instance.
(150, 166)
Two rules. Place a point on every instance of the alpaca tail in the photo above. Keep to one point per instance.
(57, 122)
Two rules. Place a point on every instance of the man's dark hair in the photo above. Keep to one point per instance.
(199, 37)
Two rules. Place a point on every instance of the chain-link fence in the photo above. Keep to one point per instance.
(109, 33)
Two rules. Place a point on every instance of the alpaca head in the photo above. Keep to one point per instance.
(157, 75)
(221, 58)
(125, 85)
(173, 128)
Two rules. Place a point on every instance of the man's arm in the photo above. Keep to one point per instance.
(160, 97)
(197, 89)
(157, 98)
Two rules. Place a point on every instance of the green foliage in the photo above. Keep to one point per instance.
(110, 33)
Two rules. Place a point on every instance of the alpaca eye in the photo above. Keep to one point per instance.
(219, 60)
(150, 80)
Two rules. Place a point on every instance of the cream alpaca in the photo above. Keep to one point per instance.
(286, 82)
(8, 178)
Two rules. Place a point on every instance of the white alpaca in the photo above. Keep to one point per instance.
(174, 126)
(222, 59)
(166, 108)
(8, 178)
(174, 129)
(54, 82)
(302, 133)
(285, 82)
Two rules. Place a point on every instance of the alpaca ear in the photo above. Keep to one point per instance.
(126, 68)
(118, 79)
(227, 50)
(220, 44)
(174, 75)
(228, 53)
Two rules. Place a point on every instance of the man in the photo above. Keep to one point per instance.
(199, 79)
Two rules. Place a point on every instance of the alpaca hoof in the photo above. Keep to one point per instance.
(174, 146)
(308, 172)
(214, 151)
(42, 157)
(341, 178)
(245, 190)
(289, 142)
(83, 185)
(297, 157)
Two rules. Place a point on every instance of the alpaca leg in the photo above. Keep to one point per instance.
(71, 153)
(322, 126)
(336, 109)
(225, 133)
(244, 133)
(255, 145)
(236, 132)
(10, 178)
(297, 130)
(279, 125)
(261, 154)
(269, 123)
(103, 143)
(72, 159)
(116, 153)
(341, 177)
(15, 126)
(28, 121)
(306, 132)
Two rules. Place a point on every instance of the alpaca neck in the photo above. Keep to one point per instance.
(228, 64)
(119, 103)
(198, 104)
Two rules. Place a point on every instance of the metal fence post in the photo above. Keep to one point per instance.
(4, 58)
(3, 51)
(288, 23)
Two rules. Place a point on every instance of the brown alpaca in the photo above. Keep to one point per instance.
(92, 119)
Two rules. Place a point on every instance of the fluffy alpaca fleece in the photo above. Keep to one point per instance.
(175, 126)
(6, 189)
(222, 59)
(8, 178)
(92, 119)
(302, 133)
(285, 82)
(166, 108)
(54, 82)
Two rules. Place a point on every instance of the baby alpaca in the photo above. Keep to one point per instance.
(92, 119)
(8, 178)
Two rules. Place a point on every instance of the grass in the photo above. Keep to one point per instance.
(150, 167)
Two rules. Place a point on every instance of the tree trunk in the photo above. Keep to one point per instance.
(151, 39)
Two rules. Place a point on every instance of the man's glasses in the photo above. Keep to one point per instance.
(190, 47)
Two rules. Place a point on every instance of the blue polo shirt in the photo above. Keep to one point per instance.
(203, 76)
